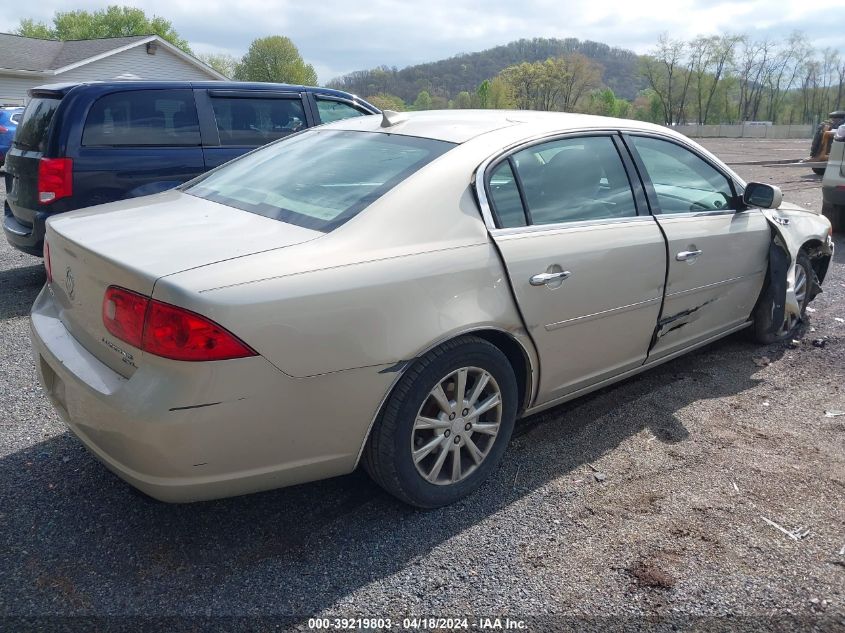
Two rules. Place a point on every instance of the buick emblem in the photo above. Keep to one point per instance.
(69, 282)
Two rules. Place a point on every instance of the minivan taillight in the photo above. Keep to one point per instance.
(167, 330)
(55, 179)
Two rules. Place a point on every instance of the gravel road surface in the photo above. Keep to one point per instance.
(642, 505)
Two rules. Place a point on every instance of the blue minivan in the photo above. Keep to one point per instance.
(83, 144)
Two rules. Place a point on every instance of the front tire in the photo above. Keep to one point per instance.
(445, 427)
(764, 332)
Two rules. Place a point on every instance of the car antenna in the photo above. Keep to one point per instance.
(391, 117)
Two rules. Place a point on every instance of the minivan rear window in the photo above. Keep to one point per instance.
(143, 117)
(318, 179)
(35, 124)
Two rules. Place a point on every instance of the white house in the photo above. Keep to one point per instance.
(26, 62)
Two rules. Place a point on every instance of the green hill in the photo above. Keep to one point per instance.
(448, 77)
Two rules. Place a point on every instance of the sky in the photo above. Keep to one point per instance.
(339, 36)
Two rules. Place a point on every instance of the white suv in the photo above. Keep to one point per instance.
(833, 184)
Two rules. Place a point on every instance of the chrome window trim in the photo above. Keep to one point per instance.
(698, 214)
(558, 227)
(480, 175)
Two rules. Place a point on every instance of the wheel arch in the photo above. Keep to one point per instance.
(819, 257)
(519, 356)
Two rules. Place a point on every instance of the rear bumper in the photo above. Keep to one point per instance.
(191, 431)
(29, 239)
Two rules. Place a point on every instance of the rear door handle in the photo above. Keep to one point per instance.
(544, 278)
(685, 255)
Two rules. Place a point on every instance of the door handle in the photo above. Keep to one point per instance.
(543, 278)
(685, 255)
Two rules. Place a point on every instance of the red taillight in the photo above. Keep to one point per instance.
(167, 330)
(55, 179)
(48, 265)
(3, 129)
(180, 334)
(123, 314)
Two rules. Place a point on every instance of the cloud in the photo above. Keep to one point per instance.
(338, 37)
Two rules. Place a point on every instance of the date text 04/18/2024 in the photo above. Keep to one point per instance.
(417, 623)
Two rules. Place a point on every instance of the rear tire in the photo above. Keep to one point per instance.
(836, 214)
(819, 170)
(762, 327)
(435, 442)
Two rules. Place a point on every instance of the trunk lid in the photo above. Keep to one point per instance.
(135, 242)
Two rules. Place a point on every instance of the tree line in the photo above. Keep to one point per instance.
(447, 78)
(704, 80)
(734, 78)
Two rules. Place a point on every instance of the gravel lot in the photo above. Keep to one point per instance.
(638, 506)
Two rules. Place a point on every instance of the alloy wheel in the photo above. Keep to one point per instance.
(456, 426)
(790, 320)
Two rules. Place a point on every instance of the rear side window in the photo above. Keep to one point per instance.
(331, 110)
(566, 180)
(253, 122)
(318, 179)
(35, 124)
(504, 192)
(16, 117)
(143, 117)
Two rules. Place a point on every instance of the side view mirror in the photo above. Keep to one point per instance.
(759, 194)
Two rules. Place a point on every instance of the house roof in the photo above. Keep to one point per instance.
(30, 55)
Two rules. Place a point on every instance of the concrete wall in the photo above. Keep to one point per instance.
(746, 131)
(164, 65)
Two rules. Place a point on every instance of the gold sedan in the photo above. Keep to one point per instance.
(396, 290)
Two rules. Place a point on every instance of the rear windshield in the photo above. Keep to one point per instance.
(33, 128)
(318, 179)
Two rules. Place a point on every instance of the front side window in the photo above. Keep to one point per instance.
(252, 122)
(318, 179)
(143, 117)
(683, 181)
(568, 180)
(331, 110)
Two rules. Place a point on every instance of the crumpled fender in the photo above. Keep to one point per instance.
(793, 226)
